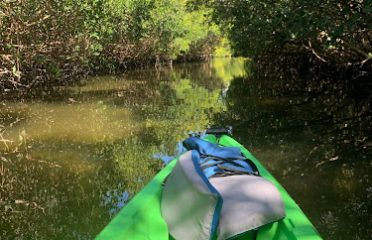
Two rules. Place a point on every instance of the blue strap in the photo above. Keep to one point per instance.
(195, 156)
(219, 160)
(210, 149)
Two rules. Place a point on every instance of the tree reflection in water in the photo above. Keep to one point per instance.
(71, 159)
(315, 136)
(76, 157)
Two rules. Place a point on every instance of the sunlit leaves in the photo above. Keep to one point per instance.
(49, 42)
(332, 31)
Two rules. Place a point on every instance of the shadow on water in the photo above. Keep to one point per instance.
(315, 137)
(71, 159)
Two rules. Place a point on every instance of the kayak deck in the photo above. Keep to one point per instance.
(141, 218)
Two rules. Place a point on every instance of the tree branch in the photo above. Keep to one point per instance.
(312, 50)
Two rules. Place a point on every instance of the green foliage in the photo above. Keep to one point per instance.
(48, 42)
(223, 49)
(331, 31)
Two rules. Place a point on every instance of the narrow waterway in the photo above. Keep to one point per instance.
(71, 159)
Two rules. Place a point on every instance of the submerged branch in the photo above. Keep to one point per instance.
(312, 50)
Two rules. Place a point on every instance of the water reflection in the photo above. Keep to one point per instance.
(315, 141)
(70, 160)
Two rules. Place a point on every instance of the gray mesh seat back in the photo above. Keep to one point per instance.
(188, 205)
(249, 202)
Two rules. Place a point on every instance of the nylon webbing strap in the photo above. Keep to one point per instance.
(219, 161)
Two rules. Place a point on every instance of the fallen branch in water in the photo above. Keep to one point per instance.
(5, 141)
(328, 161)
(29, 204)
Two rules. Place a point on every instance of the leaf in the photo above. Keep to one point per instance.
(367, 9)
(14, 70)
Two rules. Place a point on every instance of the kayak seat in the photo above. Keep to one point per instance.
(249, 202)
(197, 207)
(188, 202)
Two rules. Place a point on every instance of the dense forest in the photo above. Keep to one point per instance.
(51, 42)
(336, 33)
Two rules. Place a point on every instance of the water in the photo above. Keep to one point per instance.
(315, 140)
(71, 159)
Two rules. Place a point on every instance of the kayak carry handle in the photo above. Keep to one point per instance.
(228, 130)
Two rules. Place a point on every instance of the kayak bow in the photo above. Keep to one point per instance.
(141, 217)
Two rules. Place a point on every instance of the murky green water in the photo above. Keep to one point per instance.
(70, 160)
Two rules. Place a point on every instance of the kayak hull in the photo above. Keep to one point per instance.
(141, 217)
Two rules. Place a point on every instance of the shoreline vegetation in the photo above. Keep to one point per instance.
(305, 37)
(332, 32)
(44, 43)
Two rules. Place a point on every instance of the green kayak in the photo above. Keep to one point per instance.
(141, 217)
